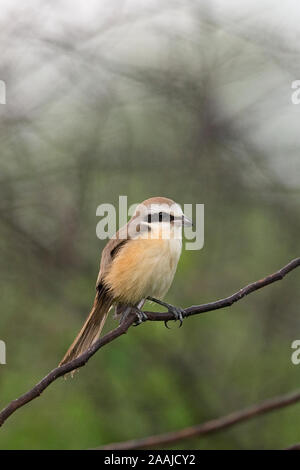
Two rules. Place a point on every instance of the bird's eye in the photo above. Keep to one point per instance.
(160, 217)
(149, 218)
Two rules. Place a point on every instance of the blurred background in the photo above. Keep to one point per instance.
(185, 99)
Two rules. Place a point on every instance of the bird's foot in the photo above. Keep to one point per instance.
(141, 317)
(177, 312)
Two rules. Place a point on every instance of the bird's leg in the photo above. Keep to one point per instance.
(177, 312)
(139, 312)
(125, 314)
(141, 316)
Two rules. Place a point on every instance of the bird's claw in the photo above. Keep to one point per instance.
(177, 312)
(141, 317)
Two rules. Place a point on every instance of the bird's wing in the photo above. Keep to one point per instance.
(115, 244)
(110, 250)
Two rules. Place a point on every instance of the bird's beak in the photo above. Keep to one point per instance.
(186, 222)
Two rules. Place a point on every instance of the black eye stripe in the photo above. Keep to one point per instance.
(159, 217)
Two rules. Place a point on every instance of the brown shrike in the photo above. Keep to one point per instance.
(137, 264)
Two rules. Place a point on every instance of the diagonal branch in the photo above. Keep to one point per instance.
(122, 329)
(228, 301)
(208, 427)
(66, 368)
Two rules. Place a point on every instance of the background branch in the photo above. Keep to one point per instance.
(294, 447)
(121, 329)
(208, 427)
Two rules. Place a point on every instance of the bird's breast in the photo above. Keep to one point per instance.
(143, 267)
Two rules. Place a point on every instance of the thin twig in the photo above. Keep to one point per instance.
(121, 329)
(208, 427)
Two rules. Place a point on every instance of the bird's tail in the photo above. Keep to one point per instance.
(92, 327)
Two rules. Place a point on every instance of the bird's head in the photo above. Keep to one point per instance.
(160, 217)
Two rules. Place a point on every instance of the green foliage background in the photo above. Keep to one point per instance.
(143, 111)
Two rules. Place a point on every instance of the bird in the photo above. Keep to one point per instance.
(137, 264)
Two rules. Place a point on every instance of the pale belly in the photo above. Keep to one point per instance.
(143, 268)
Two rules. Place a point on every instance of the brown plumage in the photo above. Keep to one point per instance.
(92, 326)
(132, 267)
